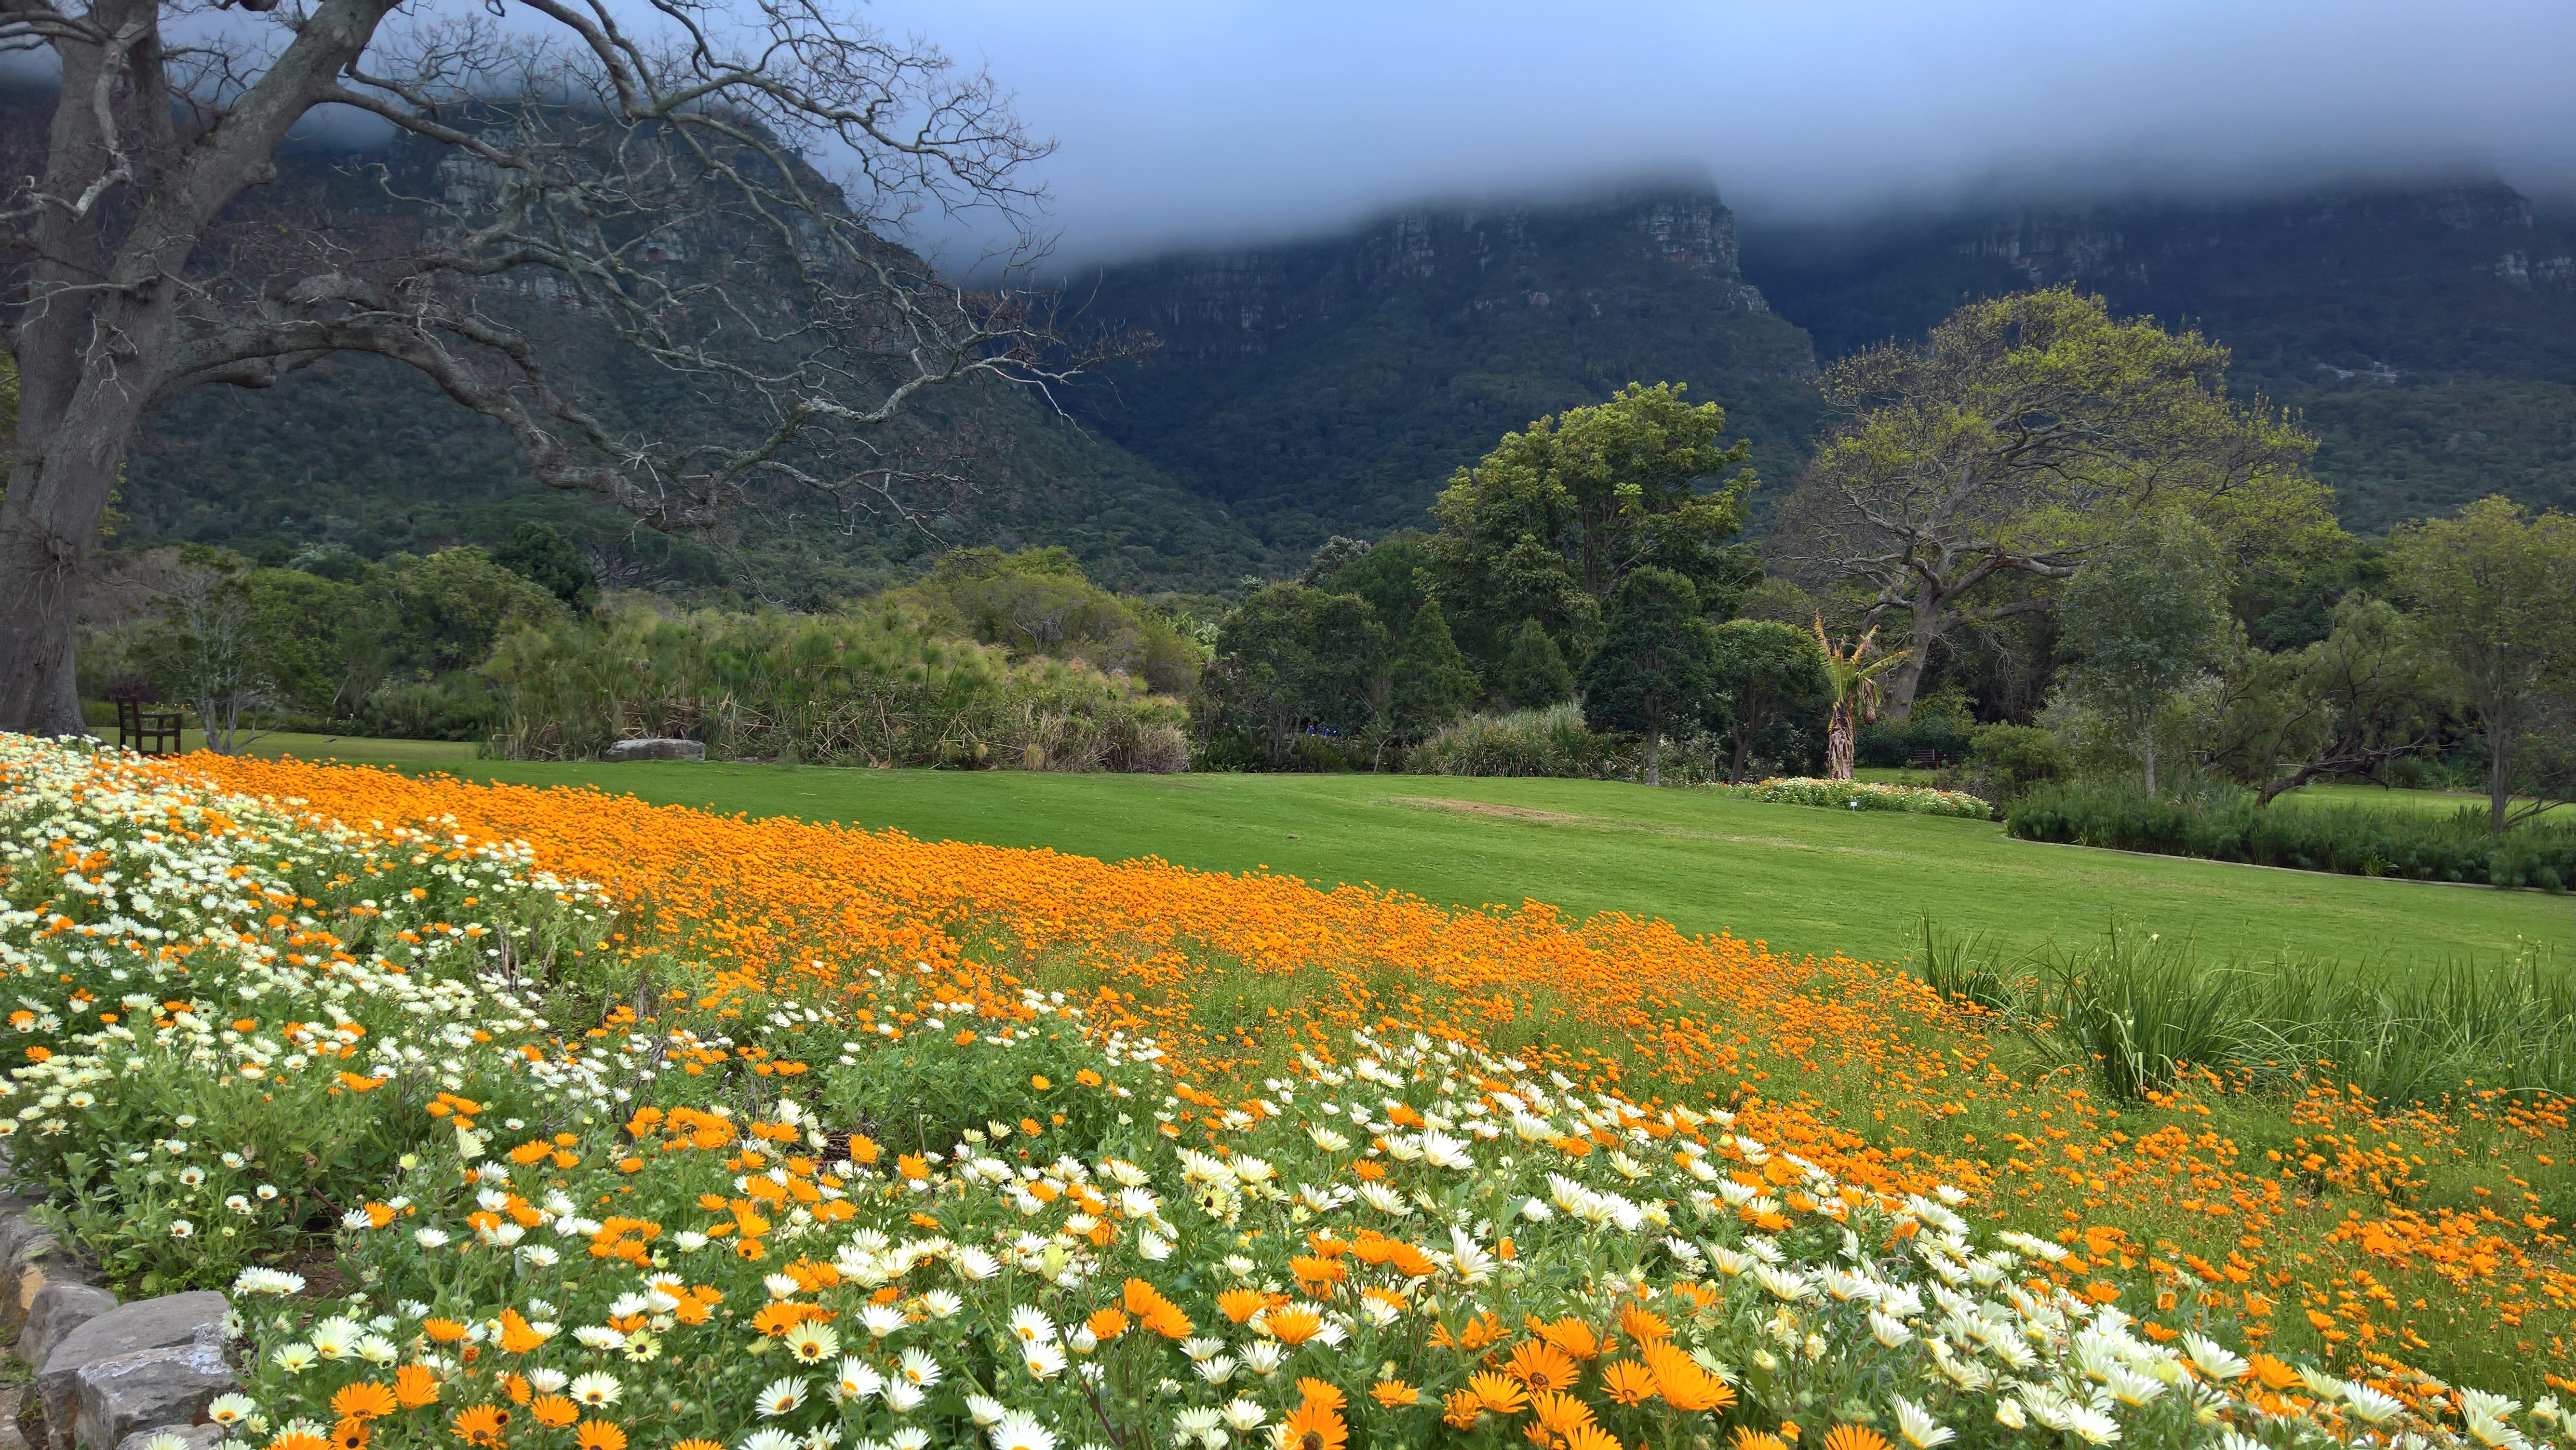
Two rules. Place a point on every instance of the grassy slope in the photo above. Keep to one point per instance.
(1805, 880)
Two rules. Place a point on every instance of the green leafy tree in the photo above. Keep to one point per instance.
(2144, 618)
(1556, 516)
(310, 631)
(1393, 575)
(1765, 673)
(1291, 659)
(1654, 673)
(2495, 591)
(545, 558)
(1427, 683)
(1533, 674)
(2016, 441)
(443, 612)
(1038, 602)
(2365, 694)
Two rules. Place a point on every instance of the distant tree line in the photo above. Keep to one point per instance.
(2044, 542)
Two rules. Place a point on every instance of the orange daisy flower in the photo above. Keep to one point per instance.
(364, 1400)
(479, 1425)
(1542, 1366)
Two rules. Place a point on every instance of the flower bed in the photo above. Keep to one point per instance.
(1857, 795)
(885, 1145)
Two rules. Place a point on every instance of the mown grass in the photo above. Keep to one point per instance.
(1804, 880)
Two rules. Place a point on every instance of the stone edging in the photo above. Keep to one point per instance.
(110, 1376)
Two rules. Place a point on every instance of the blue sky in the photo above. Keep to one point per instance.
(1213, 122)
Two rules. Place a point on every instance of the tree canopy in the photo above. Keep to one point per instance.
(1653, 675)
(2496, 589)
(2016, 441)
(1548, 524)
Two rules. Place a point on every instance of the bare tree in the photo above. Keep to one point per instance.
(651, 170)
(2016, 439)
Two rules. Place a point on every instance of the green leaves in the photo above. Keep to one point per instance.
(1550, 522)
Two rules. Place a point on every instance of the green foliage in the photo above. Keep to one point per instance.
(2015, 758)
(1036, 603)
(2365, 694)
(1290, 661)
(1941, 721)
(2224, 823)
(1391, 574)
(1770, 677)
(2143, 1011)
(442, 613)
(1533, 674)
(1428, 683)
(1556, 516)
(539, 554)
(2140, 621)
(1549, 742)
(2495, 591)
(1654, 674)
(875, 686)
(2022, 437)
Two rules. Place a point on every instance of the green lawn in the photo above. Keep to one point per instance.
(1804, 879)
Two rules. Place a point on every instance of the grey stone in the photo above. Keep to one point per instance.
(31, 1258)
(195, 1437)
(655, 749)
(153, 1362)
(59, 1309)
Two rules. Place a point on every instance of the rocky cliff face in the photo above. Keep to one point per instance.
(1333, 384)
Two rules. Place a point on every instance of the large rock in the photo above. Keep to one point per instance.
(149, 1364)
(59, 1308)
(655, 749)
(29, 1259)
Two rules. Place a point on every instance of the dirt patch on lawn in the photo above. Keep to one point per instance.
(1481, 808)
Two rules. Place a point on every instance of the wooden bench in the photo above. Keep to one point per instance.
(148, 732)
(1926, 759)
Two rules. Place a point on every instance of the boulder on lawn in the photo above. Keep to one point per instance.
(148, 1364)
(656, 748)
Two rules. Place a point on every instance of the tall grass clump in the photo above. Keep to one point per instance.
(2147, 1011)
(2223, 823)
(874, 686)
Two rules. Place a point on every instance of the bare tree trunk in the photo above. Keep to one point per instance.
(2151, 756)
(48, 524)
(1907, 676)
(1838, 742)
(1743, 743)
(2499, 780)
(1654, 757)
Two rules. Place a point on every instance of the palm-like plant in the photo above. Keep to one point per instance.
(1855, 688)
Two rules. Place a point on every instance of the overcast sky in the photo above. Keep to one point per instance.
(1206, 121)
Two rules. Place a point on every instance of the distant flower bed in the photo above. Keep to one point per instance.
(1856, 795)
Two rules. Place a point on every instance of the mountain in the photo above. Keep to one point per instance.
(362, 453)
(2427, 334)
(1332, 385)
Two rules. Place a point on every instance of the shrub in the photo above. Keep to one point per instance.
(2223, 823)
(1556, 742)
(875, 686)
(2011, 759)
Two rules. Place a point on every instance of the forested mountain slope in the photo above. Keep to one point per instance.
(2428, 333)
(1331, 385)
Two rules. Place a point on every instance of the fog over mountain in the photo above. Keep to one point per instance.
(1193, 124)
